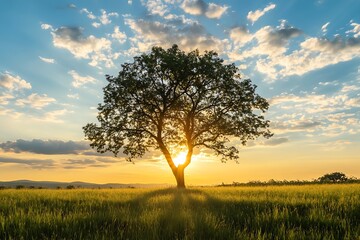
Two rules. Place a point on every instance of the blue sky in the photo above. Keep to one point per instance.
(303, 55)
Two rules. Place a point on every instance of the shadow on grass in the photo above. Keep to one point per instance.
(182, 214)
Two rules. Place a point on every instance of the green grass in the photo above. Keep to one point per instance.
(277, 212)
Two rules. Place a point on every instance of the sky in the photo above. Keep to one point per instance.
(303, 55)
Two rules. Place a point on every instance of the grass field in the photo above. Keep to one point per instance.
(277, 212)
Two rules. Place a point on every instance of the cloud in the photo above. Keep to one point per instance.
(81, 161)
(316, 53)
(295, 125)
(90, 15)
(73, 96)
(53, 116)
(240, 36)
(45, 146)
(313, 53)
(199, 7)
(80, 80)
(275, 141)
(35, 101)
(324, 27)
(350, 88)
(254, 16)
(120, 36)
(46, 26)
(33, 163)
(71, 5)
(355, 30)
(268, 43)
(103, 19)
(4, 99)
(47, 60)
(188, 36)
(155, 7)
(13, 82)
(312, 103)
(72, 39)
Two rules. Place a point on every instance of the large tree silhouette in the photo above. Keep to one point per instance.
(168, 99)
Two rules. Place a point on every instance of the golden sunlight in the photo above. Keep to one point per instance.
(180, 158)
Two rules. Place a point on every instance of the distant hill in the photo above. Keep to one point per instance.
(51, 184)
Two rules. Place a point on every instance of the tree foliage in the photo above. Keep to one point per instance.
(334, 177)
(168, 99)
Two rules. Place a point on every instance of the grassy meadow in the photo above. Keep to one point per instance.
(268, 212)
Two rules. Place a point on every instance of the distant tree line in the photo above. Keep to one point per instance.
(335, 177)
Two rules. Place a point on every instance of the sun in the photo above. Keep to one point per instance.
(180, 158)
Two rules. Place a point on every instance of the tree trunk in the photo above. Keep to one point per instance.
(179, 175)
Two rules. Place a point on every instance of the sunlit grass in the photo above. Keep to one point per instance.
(279, 212)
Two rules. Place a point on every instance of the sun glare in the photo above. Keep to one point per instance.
(180, 158)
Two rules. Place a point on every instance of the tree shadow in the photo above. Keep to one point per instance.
(185, 214)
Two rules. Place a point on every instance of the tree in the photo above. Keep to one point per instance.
(333, 177)
(169, 99)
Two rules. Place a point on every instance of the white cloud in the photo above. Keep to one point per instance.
(270, 41)
(254, 16)
(188, 36)
(215, 11)
(118, 35)
(199, 7)
(13, 82)
(74, 96)
(80, 80)
(155, 7)
(324, 27)
(72, 39)
(96, 24)
(54, 116)
(350, 88)
(90, 15)
(104, 18)
(46, 26)
(130, 2)
(313, 53)
(355, 30)
(316, 53)
(47, 60)
(4, 99)
(35, 101)
(240, 36)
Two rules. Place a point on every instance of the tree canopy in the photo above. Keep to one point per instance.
(167, 99)
(333, 177)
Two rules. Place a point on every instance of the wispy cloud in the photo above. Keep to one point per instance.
(355, 30)
(254, 16)
(4, 99)
(47, 60)
(80, 80)
(13, 82)
(103, 19)
(33, 163)
(39, 146)
(35, 101)
(324, 27)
